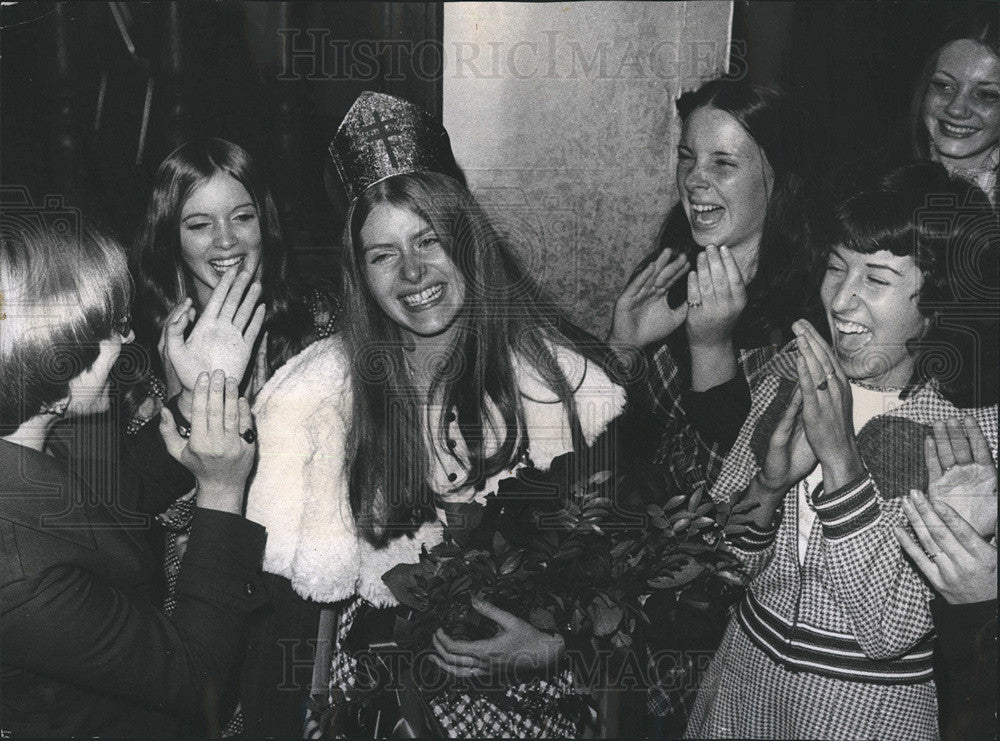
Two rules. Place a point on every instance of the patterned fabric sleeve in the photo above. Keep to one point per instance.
(692, 462)
(755, 547)
(886, 599)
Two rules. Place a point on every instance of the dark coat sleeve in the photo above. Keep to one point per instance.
(67, 622)
(965, 668)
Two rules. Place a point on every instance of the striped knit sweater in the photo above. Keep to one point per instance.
(855, 610)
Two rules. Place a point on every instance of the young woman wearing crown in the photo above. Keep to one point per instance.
(436, 389)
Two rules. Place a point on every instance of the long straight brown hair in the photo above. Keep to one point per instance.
(503, 323)
(158, 268)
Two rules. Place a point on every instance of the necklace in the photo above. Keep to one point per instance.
(873, 387)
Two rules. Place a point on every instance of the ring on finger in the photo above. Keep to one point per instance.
(694, 304)
(249, 435)
(932, 556)
(825, 383)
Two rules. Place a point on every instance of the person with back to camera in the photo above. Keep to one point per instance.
(86, 650)
(833, 638)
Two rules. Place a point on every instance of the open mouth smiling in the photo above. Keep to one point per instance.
(705, 214)
(955, 130)
(851, 336)
(423, 299)
(222, 264)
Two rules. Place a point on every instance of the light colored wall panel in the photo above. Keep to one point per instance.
(563, 118)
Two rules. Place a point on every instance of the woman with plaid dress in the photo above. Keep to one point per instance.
(742, 225)
(742, 229)
(448, 376)
(834, 636)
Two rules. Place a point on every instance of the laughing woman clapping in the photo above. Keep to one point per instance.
(833, 638)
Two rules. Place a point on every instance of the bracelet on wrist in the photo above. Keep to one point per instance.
(183, 423)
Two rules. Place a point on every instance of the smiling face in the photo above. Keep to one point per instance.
(871, 306)
(723, 180)
(219, 228)
(962, 104)
(410, 274)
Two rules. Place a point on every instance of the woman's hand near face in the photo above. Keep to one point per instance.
(789, 459)
(224, 335)
(215, 453)
(827, 410)
(961, 472)
(519, 649)
(960, 564)
(182, 310)
(642, 315)
(716, 297)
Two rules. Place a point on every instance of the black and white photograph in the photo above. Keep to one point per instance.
(583, 369)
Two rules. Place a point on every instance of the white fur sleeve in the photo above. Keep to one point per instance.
(300, 486)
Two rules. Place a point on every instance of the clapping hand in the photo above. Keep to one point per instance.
(518, 649)
(716, 298)
(827, 409)
(789, 457)
(224, 335)
(961, 565)
(961, 472)
(642, 315)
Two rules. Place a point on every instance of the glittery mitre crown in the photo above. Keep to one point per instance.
(382, 136)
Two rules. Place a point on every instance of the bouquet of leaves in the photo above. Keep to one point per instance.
(559, 549)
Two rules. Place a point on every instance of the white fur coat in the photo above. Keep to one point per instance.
(300, 491)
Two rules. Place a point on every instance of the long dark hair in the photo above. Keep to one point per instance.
(158, 268)
(942, 222)
(779, 291)
(503, 324)
(981, 26)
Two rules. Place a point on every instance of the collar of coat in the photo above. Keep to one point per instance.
(300, 491)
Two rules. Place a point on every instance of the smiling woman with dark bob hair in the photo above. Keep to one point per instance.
(834, 635)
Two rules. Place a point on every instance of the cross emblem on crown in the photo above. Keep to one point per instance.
(383, 131)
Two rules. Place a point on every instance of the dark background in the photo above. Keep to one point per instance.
(847, 66)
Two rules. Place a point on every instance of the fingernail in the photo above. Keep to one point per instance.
(723, 248)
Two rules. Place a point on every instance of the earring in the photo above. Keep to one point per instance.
(58, 408)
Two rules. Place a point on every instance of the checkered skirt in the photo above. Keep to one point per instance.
(532, 709)
(747, 695)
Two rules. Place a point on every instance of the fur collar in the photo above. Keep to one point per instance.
(299, 492)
